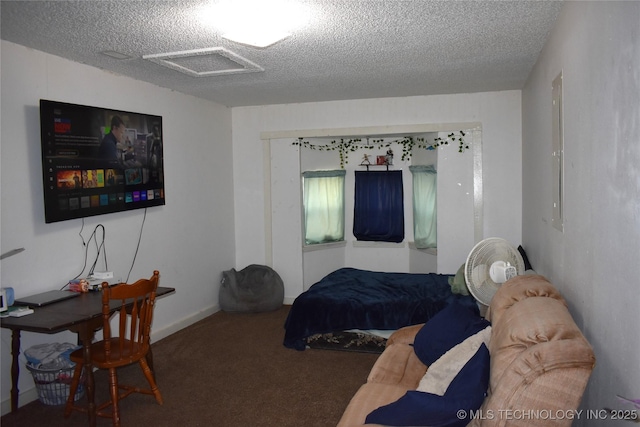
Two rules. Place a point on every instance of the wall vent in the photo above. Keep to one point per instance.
(206, 62)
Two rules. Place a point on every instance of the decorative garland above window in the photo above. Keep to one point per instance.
(346, 146)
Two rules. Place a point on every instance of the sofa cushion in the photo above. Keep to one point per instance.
(369, 397)
(533, 321)
(398, 364)
(465, 394)
(404, 335)
(518, 289)
(442, 372)
(449, 327)
(540, 361)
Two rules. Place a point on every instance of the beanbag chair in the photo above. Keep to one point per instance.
(254, 289)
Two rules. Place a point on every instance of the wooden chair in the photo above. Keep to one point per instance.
(135, 304)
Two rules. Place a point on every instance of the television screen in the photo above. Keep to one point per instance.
(97, 161)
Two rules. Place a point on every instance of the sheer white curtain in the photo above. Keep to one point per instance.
(323, 201)
(424, 206)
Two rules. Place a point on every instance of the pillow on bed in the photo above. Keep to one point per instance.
(465, 394)
(442, 372)
(449, 327)
(458, 283)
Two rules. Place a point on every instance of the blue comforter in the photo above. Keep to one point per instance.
(350, 298)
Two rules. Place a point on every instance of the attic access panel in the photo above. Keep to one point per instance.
(205, 62)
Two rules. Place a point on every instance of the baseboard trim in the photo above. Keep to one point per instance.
(25, 397)
(158, 334)
(31, 394)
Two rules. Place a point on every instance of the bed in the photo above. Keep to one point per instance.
(350, 298)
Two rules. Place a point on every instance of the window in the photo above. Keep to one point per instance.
(424, 206)
(323, 196)
(378, 213)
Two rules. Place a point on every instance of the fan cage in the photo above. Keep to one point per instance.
(479, 261)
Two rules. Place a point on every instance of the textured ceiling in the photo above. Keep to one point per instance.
(349, 50)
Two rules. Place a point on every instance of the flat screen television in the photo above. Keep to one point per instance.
(97, 160)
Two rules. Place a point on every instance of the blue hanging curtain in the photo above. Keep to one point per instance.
(379, 206)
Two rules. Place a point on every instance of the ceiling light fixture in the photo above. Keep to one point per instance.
(258, 37)
(256, 23)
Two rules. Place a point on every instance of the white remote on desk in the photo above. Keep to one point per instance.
(22, 311)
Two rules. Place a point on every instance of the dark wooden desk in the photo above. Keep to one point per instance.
(82, 315)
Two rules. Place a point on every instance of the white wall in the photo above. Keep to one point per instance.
(190, 240)
(498, 113)
(594, 261)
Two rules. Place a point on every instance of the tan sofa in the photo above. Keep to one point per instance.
(540, 362)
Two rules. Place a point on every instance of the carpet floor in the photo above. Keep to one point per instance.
(228, 370)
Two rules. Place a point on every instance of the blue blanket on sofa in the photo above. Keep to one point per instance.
(350, 298)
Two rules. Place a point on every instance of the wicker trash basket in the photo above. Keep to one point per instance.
(53, 385)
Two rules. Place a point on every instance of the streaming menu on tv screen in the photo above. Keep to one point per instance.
(97, 161)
